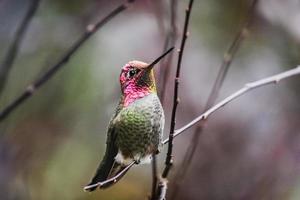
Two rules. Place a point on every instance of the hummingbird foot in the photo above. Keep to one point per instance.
(137, 161)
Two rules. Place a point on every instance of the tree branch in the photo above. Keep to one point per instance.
(223, 69)
(90, 30)
(13, 49)
(162, 186)
(162, 189)
(112, 180)
(248, 87)
(164, 76)
(229, 55)
(154, 177)
(168, 161)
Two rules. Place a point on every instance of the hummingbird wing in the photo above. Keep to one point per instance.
(108, 167)
(107, 162)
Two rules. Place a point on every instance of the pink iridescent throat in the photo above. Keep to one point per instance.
(132, 93)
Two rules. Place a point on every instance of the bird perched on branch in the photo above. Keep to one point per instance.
(136, 128)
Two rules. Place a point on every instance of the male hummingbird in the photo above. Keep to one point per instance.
(136, 129)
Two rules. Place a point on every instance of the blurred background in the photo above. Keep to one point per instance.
(51, 145)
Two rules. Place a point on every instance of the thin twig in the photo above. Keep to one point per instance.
(169, 156)
(169, 41)
(162, 189)
(90, 30)
(229, 55)
(223, 69)
(164, 76)
(154, 177)
(112, 180)
(248, 87)
(168, 161)
(13, 49)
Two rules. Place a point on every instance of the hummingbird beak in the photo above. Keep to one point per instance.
(146, 73)
(158, 59)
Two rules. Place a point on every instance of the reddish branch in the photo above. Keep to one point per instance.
(223, 69)
(13, 49)
(90, 30)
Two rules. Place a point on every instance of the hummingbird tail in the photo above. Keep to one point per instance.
(116, 169)
(104, 169)
(103, 174)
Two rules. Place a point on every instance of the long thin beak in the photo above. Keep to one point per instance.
(159, 58)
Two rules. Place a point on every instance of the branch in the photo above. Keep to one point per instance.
(164, 76)
(248, 87)
(223, 69)
(154, 177)
(161, 192)
(90, 30)
(229, 55)
(13, 49)
(168, 161)
(112, 180)
(162, 189)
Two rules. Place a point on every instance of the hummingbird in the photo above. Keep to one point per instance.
(135, 130)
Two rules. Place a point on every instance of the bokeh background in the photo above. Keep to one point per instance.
(51, 145)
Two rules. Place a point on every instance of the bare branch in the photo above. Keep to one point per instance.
(229, 55)
(161, 192)
(90, 30)
(164, 76)
(154, 177)
(111, 180)
(223, 69)
(13, 49)
(168, 161)
(162, 189)
(248, 87)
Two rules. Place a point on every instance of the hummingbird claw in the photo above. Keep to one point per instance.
(137, 161)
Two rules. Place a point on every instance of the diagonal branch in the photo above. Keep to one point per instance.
(13, 49)
(229, 55)
(112, 180)
(90, 30)
(248, 87)
(223, 69)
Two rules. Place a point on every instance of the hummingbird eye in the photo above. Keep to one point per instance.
(131, 73)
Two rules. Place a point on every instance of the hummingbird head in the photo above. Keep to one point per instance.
(136, 76)
(137, 79)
